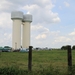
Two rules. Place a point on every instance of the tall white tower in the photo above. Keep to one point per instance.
(17, 17)
(27, 19)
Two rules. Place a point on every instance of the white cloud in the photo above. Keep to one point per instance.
(4, 5)
(5, 29)
(40, 32)
(62, 39)
(5, 20)
(57, 19)
(11, 5)
(72, 33)
(5, 39)
(21, 2)
(39, 28)
(42, 14)
(41, 36)
(44, 3)
(66, 4)
(55, 33)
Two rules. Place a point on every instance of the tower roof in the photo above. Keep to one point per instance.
(16, 15)
(27, 18)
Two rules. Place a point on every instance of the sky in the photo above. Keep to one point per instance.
(53, 24)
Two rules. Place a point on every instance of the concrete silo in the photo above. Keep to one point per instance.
(17, 17)
(27, 19)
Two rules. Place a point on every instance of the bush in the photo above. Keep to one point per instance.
(12, 71)
(42, 71)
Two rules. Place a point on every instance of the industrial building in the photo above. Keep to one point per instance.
(25, 20)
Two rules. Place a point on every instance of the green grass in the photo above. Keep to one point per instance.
(42, 60)
(13, 58)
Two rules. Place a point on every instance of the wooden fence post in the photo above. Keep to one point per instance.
(30, 58)
(69, 58)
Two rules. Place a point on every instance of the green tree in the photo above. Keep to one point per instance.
(64, 48)
(73, 47)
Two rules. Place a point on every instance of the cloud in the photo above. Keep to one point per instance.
(62, 39)
(18, 2)
(5, 39)
(72, 33)
(39, 28)
(68, 39)
(4, 5)
(66, 4)
(44, 3)
(5, 29)
(39, 31)
(42, 12)
(5, 20)
(11, 5)
(41, 36)
(42, 16)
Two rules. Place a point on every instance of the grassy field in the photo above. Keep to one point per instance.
(45, 59)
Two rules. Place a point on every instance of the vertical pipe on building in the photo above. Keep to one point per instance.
(17, 17)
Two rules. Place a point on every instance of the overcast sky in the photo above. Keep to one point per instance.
(53, 21)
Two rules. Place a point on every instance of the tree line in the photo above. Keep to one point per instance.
(65, 47)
